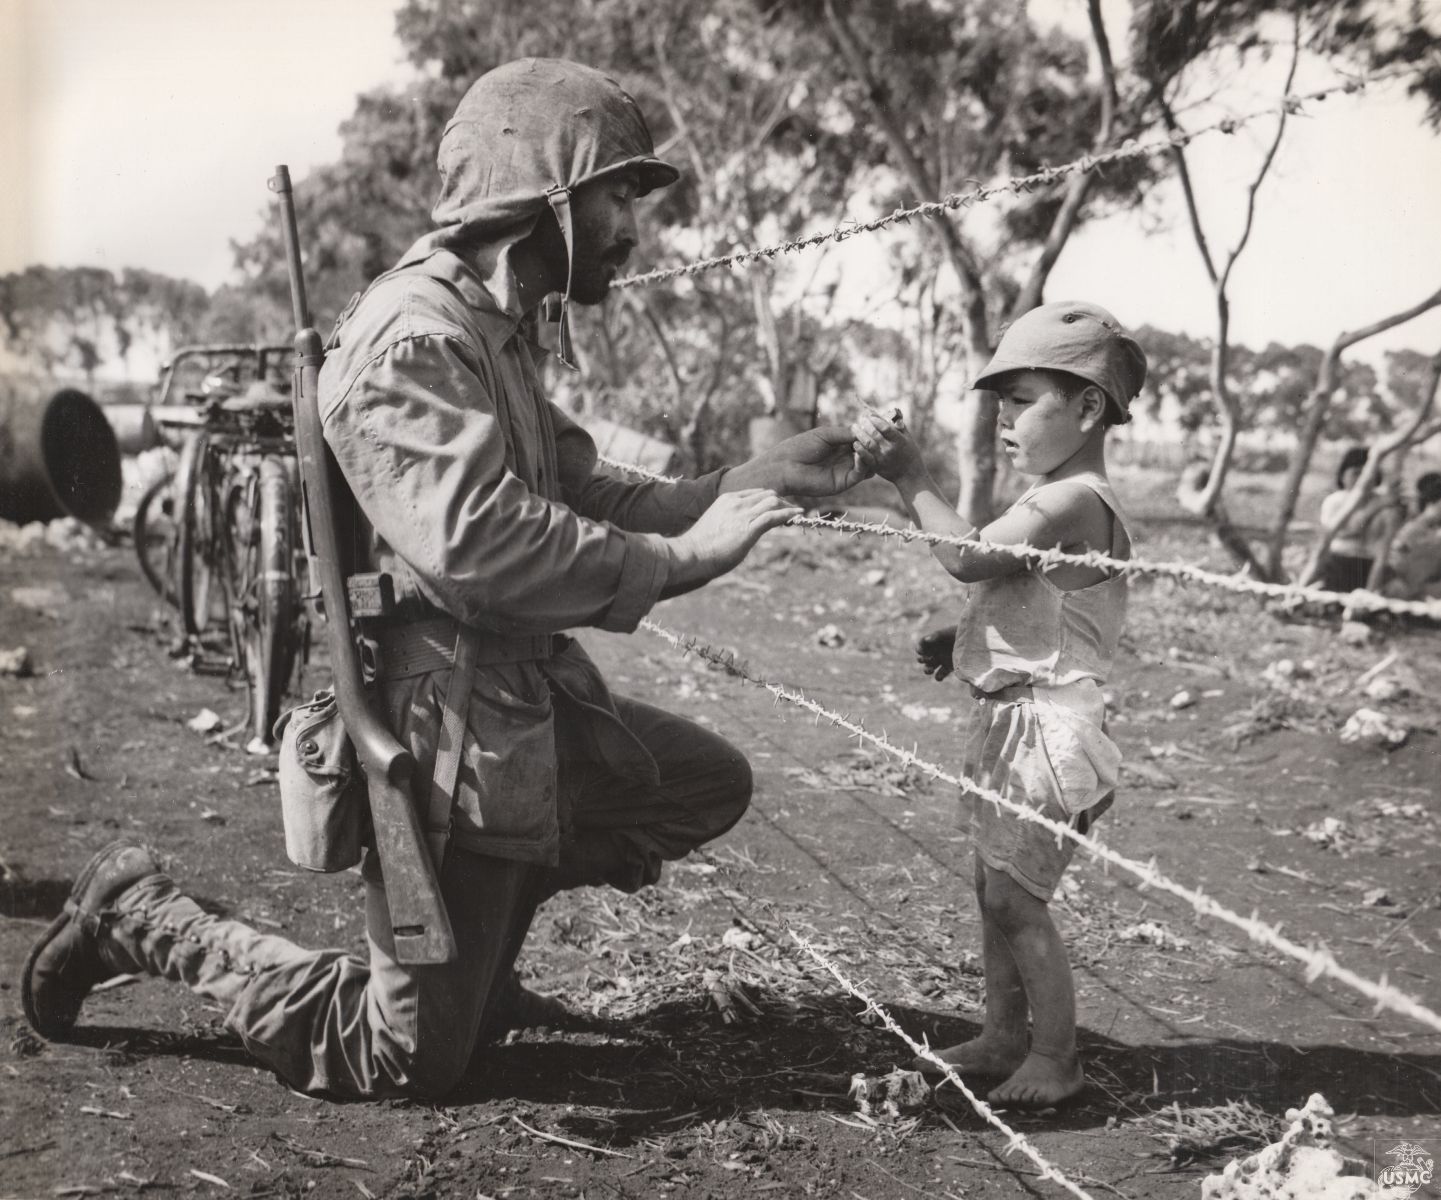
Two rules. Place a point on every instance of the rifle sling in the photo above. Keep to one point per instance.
(451, 743)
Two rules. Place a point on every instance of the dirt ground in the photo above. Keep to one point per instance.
(723, 1065)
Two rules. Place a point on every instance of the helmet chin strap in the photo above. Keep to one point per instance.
(559, 199)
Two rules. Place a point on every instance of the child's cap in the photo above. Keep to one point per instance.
(1076, 337)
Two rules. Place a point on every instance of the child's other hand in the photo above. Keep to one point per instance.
(883, 446)
(936, 652)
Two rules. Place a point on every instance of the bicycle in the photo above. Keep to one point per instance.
(219, 540)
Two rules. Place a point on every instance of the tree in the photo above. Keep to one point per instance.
(764, 156)
(965, 92)
(84, 317)
(1171, 44)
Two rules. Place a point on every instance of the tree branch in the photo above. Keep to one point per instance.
(1269, 158)
(1080, 183)
(1317, 405)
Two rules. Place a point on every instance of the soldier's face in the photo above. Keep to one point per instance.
(603, 214)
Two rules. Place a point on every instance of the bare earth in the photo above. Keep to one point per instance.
(724, 1068)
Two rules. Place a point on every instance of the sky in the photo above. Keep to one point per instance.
(142, 134)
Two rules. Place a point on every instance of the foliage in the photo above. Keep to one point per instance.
(1170, 36)
(78, 317)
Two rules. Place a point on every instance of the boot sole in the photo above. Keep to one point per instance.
(52, 931)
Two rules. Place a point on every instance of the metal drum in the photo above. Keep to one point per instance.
(58, 455)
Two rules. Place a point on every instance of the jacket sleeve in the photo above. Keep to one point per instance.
(416, 431)
(667, 508)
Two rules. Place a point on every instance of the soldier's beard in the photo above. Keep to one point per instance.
(591, 275)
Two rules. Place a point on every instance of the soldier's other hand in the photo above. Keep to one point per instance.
(726, 532)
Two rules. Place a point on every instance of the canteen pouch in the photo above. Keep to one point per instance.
(322, 791)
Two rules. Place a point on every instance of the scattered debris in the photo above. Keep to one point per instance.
(1355, 633)
(896, 1093)
(205, 721)
(91, 1111)
(923, 712)
(209, 1178)
(16, 663)
(76, 769)
(1369, 727)
(1331, 833)
(1197, 1133)
(1284, 672)
(1147, 775)
(831, 636)
(48, 600)
(728, 996)
(737, 937)
(1152, 933)
(562, 1141)
(1302, 1164)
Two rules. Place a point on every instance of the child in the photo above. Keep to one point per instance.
(1035, 646)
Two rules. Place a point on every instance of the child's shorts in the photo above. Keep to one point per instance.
(1045, 749)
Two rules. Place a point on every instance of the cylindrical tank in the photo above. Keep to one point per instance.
(134, 427)
(58, 455)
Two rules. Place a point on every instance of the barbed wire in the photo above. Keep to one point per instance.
(1016, 185)
(1360, 600)
(1318, 961)
(1357, 600)
(1015, 1140)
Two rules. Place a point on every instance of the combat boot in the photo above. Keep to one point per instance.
(67, 962)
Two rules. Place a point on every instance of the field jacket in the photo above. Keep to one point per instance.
(483, 503)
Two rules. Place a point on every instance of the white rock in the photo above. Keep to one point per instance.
(1183, 699)
(1301, 1166)
(1355, 633)
(204, 721)
(1367, 727)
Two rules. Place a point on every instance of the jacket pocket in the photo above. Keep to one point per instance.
(506, 789)
(322, 793)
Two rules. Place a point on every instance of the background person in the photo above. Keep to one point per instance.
(1363, 536)
(1414, 561)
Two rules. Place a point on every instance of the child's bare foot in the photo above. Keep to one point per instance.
(984, 1055)
(1040, 1082)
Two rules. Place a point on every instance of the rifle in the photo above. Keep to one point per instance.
(418, 919)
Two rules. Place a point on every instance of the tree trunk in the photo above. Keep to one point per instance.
(1317, 406)
(975, 439)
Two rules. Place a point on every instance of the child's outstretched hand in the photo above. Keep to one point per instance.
(883, 446)
(935, 652)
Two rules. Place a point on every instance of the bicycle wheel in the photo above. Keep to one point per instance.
(197, 487)
(156, 535)
(265, 614)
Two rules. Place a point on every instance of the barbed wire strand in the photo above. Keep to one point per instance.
(1015, 1140)
(1016, 185)
(1359, 600)
(1318, 960)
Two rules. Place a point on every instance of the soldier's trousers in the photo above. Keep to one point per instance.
(334, 1022)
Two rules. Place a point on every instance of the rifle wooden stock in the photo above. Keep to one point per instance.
(418, 919)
